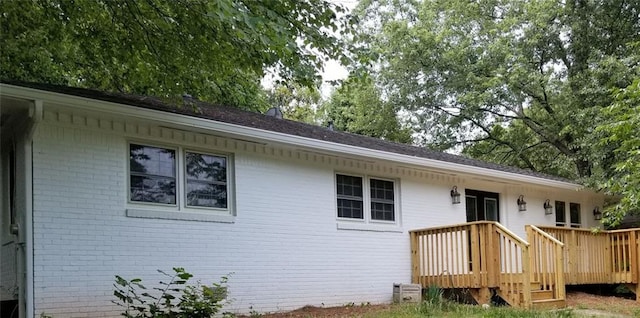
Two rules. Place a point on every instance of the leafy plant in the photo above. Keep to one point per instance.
(433, 294)
(173, 299)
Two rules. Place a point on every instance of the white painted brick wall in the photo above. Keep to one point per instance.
(284, 249)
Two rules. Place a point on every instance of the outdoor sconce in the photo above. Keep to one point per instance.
(597, 214)
(455, 195)
(522, 205)
(548, 208)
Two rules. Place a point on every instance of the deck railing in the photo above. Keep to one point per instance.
(547, 261)
(473, 255)
(598, 257)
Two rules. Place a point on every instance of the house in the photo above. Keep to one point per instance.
(99, 184)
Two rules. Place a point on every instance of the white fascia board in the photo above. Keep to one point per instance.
(167, 118)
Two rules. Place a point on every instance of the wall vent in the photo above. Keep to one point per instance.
(407, 293)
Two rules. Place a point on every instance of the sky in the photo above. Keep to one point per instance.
(332, 69)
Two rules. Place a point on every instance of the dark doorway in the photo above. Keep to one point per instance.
(482, 205)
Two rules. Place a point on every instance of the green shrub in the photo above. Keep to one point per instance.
(433, 294)
(174, 299)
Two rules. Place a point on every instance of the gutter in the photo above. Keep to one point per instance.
(178, 120)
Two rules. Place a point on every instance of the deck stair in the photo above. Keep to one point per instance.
(487, 258)
(540, 298)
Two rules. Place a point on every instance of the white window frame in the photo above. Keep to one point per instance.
(564, 205)
(366, 203)
(579, 224)
(184, 181)
(177, 191)
(487, 199)
(567, 215)
(180, 210)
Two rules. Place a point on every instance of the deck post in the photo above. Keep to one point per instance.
(475, 255)
(560, 288)
(481, 295)
(608, 257)
(495, 266)
(526, 278)
(415, 275)
(533, 249)
(633, 256)
(573, 257)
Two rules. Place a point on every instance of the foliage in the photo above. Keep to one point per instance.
(174, 299)
(215, 50)
(621, 130)
(357, 107)
(433, 294)
(296, 102)
(514, 82)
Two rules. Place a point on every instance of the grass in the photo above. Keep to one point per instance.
(446, 308)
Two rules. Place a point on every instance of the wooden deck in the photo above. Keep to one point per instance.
(487, 258)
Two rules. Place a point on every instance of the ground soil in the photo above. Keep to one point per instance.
(611, 304)
(582, 302)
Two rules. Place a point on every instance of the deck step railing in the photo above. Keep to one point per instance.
(473, 255)
(546, 257)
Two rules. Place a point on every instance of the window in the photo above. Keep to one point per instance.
(206, 180)
(491, 209)
(471, 208)
(574, 213)
(482, 205)
(351, 198)
(561, 215)
(382, 200)
(152, 173)
(178, 179)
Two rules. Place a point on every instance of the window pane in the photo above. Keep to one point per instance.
(152, 174)
(152, 160)
(491, 209)
(349, 186)
(381, 189)
(382, 204)
(349, 193)
(574, 211)
(561, 216)
(382, 211)
(206, 195)
(350, 209)
(153, 189)
(472, 208)
(206, 167)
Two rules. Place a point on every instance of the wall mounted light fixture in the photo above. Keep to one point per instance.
(455, 195)
(522, 205)
(548, 208)
(597, 214)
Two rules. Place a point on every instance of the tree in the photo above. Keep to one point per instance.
(516, 82)
(216, 50)
(621, 130)
(296, 102)
(357, 107)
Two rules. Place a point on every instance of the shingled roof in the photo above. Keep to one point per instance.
(240, 117)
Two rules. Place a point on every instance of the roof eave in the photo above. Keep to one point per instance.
(168, 118)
